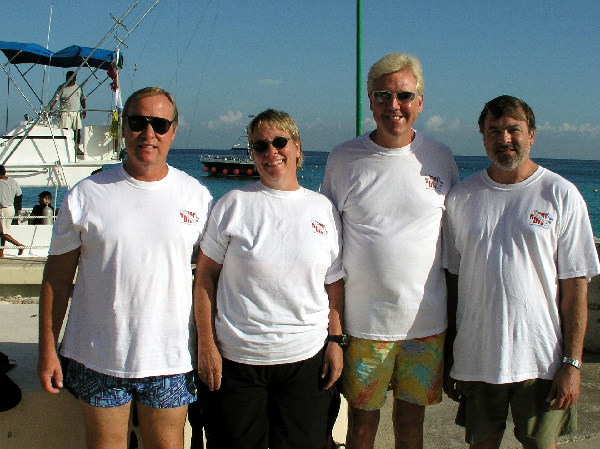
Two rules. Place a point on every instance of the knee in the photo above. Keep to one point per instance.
(362, 420)
(408, 417)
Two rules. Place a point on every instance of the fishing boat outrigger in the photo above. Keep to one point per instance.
(37, 152)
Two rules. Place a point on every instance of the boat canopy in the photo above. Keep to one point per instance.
(73, 56)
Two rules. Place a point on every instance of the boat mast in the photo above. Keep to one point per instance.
(358, 67)
(46, 72)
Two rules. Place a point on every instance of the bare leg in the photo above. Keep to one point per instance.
(362, 428)
(162, 428)
(408, 424)
(78, 141)
(491, 443)
(106, 428)
(6, 237)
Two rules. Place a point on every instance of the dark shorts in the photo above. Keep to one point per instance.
(274, 406)
(102, 390)
(483, 411)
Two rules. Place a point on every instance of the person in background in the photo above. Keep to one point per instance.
(11, 199)
(389, 186)
(40, 211)
(72, 106)
(130, 334)
(519, 239)
(268, 299)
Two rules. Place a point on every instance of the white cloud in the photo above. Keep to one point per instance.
(437, 123)
(368, 123)
(584, 128)
(231, 118)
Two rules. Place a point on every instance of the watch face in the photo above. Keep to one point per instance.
(341, 340)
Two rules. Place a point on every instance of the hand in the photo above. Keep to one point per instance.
(333, 362)
(210, 366)
(83, 114)
(450, 388)
(49, 371)
(565, 389)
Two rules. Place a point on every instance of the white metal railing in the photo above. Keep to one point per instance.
(22, 220)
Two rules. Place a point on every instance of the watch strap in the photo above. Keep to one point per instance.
(574, 362)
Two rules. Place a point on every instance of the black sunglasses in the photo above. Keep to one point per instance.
(383, 96)
(138, 123)
(260, 146)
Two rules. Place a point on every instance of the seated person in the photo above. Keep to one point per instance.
(38, 210)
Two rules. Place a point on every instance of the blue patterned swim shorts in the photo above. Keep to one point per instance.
(102, 390)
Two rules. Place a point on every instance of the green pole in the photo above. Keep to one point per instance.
(358, 67)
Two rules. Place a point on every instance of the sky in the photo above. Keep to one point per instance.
(224, 60)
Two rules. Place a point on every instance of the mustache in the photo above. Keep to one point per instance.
(507, 147)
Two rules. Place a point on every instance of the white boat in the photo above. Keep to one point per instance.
(238, 163)
(38, 153)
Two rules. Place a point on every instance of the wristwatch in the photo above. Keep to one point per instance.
(574, 362)
(341, 340)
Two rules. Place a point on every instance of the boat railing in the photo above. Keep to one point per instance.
(34, 237)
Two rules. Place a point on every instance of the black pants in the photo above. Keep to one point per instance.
(274, 406)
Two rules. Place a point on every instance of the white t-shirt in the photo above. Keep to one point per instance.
(9, 188)
(70, 98)
(278, 250)
(391, 202)
(131, 313)
(510, 244)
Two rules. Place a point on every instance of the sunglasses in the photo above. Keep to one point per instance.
(260, 146)
(383, 96)
(139, 123)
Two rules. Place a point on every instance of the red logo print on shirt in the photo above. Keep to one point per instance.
(433, 182)
(319, 228)
(542, 219)
(188, 217)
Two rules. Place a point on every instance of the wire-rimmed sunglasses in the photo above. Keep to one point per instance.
(260, 146)
(138, 123)
(383, 96)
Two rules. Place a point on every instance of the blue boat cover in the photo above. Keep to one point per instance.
(73, 56)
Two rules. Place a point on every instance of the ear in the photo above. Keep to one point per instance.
(420, 103)
(174, 131)
(531, 137)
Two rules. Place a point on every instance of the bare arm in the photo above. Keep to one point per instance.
(59, 273)
(210, 363)
(449, 383)
(334, 356)
(566, 384)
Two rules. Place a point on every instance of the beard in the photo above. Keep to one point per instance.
(511, 161)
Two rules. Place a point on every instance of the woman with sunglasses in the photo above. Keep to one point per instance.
(268, 300)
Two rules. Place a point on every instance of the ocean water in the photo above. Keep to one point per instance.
(584, 174)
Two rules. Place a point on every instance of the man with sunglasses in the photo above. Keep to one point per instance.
(519, 244)
(389, 186)
(130, 335)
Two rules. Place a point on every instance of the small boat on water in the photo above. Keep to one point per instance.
(238, 163)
